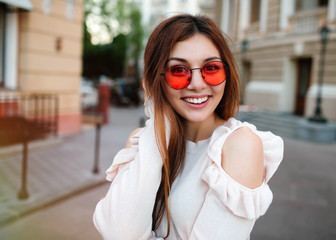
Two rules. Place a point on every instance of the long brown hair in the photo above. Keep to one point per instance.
(159, 46)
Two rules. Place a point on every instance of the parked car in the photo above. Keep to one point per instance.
(125, 92)
(89, 95)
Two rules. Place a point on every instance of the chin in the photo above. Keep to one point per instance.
(197, 118)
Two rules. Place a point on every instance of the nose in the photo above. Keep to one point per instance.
(197, 81)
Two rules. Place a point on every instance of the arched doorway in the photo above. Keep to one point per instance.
(302, 84)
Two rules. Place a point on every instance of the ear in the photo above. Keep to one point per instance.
(144, 88)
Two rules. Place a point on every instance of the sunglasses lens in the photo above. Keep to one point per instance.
(214, 73)
(178, 76)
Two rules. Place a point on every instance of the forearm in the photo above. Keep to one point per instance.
(126, 211)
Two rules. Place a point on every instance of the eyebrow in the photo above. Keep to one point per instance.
(184, 60)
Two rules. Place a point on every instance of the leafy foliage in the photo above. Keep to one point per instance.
(105, 59)
(116, 27)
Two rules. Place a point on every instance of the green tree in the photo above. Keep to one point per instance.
(113, 34)
(135, 40)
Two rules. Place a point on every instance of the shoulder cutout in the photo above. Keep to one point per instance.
(128, 143)
(243, 157)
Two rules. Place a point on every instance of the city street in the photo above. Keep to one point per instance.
(304, 205)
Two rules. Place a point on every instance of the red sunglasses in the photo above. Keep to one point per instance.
(213, 73)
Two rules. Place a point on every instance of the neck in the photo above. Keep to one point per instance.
(197, 131)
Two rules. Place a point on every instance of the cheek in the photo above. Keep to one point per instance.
(219, 90)
(171, 94)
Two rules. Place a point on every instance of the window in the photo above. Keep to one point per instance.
(231, 20)
(306, 5)
(255, 11)
(2, 35)
(323, 3)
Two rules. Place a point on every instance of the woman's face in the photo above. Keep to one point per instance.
(198, 101)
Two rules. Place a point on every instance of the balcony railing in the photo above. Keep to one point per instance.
(308, 21)
(36, 113)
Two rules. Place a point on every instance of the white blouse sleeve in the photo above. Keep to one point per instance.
(135, 175)
(230, 209)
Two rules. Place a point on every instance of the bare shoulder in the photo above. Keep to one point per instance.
(128, 143)
(243, 157)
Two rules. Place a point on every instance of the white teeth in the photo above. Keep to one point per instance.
(196, 100)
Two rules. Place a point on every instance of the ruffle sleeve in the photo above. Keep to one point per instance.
(123, 157)
(240, 200)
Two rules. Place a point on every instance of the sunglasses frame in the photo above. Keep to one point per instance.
(225, 65)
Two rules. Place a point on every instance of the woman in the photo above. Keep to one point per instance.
(193, 172)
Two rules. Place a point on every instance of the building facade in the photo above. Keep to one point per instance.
(154, 11)
(41, 53)
(279, 49)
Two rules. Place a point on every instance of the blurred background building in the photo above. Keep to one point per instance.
(41, 53)
(281, 57)
(154, 11)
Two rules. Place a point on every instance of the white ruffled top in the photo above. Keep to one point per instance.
(206, 203)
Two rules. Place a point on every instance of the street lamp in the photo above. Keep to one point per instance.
(244, 46)
(318, 115)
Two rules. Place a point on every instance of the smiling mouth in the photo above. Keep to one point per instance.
(196, 100)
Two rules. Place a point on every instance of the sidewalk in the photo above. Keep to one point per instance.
(64, 169)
